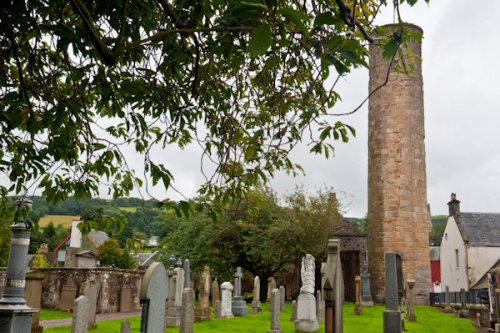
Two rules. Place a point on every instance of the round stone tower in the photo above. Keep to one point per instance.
(398, 216)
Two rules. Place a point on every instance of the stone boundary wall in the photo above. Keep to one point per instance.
(110, 281)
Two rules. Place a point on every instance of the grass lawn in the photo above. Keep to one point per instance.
(54, 314)
(429, 320)
(65, 220)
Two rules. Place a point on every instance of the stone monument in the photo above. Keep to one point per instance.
(275, 312)
(366, 294)
(202, 312)
(256, 305)
(392, 316)
(306, 303)
(333, 274)
(239, 306)
(226, 309)
(153, 296)
(187, 310)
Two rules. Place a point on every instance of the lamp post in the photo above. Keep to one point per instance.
(15, 315)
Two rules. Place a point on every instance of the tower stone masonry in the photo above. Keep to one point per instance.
(398, 216)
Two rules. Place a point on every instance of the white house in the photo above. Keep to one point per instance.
(470, 247)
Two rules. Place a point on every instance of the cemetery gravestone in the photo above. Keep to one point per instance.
(275, 312)
(187, 311)
(294, 311)
(411, 301)
(239, 306)
(80, 315)
(187, 278)
(392, 316)
(68, 296)
(33, 297)
(282, 299)
(153, 295)
(333, 273)
(215, 291)
(218, 309)
(463, 298)
(256, 305)
(90, 289)
(125, 326)
(202, 312)
(366, 294)
(320, 307)
(306, 303)
(271, 285)
(227, 290)
(173, 318)
(125, 298)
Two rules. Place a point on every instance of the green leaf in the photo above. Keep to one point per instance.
(325, 18)
(390, 49)
(296, 17)
(260, 41)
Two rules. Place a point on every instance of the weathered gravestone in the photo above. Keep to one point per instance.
(174, 312)
(218, 309)
(271, 285)
(392, 316)
(33, 297)
(227, 290)
(153, 295)
(333, 273)
(90, 289)
(215, 291)
(239, 306)
(187, 278)
(125, 326)
(463, 298)
(68, 296)
(187, 311)
(275, 312)
(202, 312)
(256, 305)
(366, 293)
(294, 311)
(320, 307)
(125, 298)
(80, 319)
(411, 301)
(306, 303)
(282, 299)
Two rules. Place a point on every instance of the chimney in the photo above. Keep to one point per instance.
(454, 206)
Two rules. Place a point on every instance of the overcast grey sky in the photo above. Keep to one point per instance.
(461, 70)
(461, 73)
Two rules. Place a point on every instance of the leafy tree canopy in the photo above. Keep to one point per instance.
(246, 80)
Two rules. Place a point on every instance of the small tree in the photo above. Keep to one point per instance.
(39, 260)
(110, 255)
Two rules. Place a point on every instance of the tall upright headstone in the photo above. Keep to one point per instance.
(306, 303)
(202, 311)
(397, 181)
(392, 316)
(227, 292)
(90, 289)
(282, 299)
(33, 296)
(447, 303)
(215, 291)
(357, 306)
(153, 296)
(275, 316)
(80, 320)
(320, 307)
(173, 317)
(256, 305)
(333, 273)
(271, 284)
(187, 311)
(366, 293)
(411, 306)
(239, 306)
(187, 277)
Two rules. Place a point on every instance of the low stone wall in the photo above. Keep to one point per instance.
(118, 288)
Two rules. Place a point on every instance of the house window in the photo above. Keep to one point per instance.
(456, 258)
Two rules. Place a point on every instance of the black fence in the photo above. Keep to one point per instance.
(476, 297)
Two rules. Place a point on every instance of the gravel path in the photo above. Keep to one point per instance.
(99, 317)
